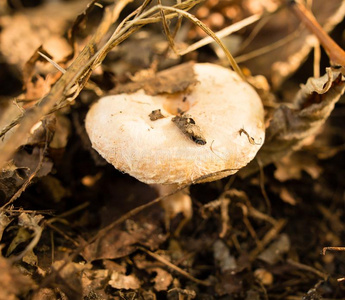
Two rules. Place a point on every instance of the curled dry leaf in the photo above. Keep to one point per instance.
(11, 177)
(291, 127)
(16, 172)
(22, 236)
(26, 161)
(27, 224)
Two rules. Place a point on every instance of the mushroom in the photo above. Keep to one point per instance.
(169, 140)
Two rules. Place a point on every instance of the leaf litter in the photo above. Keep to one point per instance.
(254, 236)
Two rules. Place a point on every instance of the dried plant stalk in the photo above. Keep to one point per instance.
(76, 76)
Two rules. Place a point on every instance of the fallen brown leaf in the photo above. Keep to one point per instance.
(291, 166)
(118, 243)
(68, 279)
(120, 281)
(292, 126)
(13, 285)
(162, 278)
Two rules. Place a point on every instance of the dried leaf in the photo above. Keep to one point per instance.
(121, 281)
(287, 197)
(291, 166)
(17, 172)
(94, 283)
(281, 62)
(118, 243)
(61, 133)
(229, 284)
(4, 221)
(276, 250)
(150, 49)
(29, 221)
(291, 127)
(222, 256)
(168, 81)
(13, 285)
(11, 178)
(45, 294)
(162, 279)
(53, 188)
(30, 258)
(68, 278)
(26, 222)
(22, 236)
(177, 293)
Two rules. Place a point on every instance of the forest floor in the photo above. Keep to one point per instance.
(74, 227)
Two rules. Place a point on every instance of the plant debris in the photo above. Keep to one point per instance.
(72, 227)
(188, 127)
(156, 115)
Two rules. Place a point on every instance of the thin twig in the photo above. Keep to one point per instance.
(69, 212)
(208, 31)
(167, 30)
(262, 185)
(317, 59)
(307, 268)
(270, 235)
(123, 218)
(325, 249)
(222, 33)
(63, 234)
(335, 53)
(271, 47)
(249, 225)
(56, 65)
(174, 267)
(224, 212)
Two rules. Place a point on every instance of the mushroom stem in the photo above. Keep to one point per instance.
(179, 202)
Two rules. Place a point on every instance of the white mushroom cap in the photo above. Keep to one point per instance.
(221, 104)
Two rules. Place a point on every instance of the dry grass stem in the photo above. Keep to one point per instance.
(208, 31)
(175, 268)
(266, 49)
(307, 268)
(335, 53)
(222, 33)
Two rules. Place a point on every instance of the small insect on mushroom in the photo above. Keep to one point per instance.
(188, 127)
